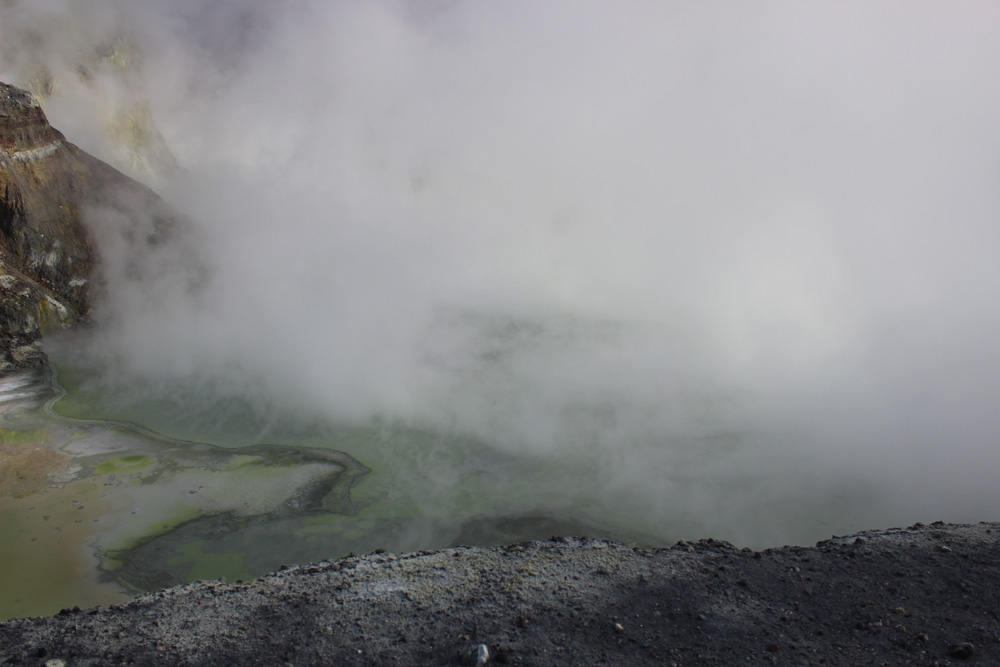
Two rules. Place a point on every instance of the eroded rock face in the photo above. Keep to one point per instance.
(47, 255)
(24, 125)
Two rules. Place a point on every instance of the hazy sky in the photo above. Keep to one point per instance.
(593, 228)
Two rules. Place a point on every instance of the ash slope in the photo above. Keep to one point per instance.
(919, 595)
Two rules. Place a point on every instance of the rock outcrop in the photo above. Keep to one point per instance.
(48, 190)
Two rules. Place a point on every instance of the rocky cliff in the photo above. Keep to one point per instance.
(50, 192)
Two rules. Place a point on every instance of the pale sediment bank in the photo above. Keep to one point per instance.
(928, 594)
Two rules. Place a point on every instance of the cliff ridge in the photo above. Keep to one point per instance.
(49, 188)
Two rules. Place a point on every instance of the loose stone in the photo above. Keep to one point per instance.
(963, 651)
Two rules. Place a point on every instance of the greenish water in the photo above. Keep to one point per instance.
(110, 488)
(141, 493)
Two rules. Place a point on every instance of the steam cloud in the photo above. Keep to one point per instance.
(614, 232)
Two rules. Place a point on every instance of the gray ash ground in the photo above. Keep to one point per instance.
(922, 595)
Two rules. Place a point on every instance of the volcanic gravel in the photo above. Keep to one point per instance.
(924, 595)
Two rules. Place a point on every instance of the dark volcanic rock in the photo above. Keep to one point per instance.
(48, 190)
(24, 125)
(925, 595)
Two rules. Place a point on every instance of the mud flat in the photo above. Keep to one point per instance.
(927, 594)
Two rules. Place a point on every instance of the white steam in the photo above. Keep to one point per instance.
(594, 230)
